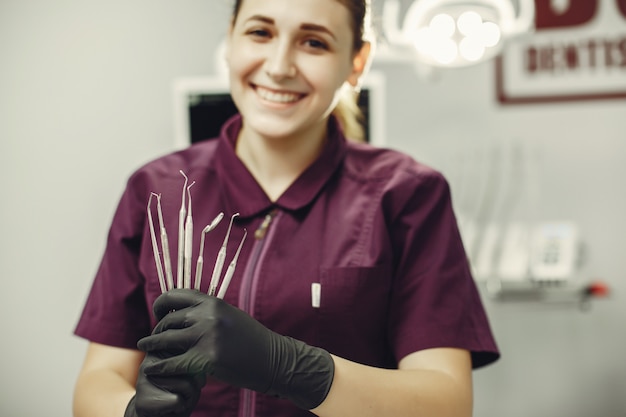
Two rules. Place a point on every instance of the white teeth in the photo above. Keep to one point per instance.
(277, 97)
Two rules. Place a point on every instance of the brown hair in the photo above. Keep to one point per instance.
(347, 111)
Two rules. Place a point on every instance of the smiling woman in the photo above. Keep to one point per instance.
(345, 108)
(353, 299)
(287, 69)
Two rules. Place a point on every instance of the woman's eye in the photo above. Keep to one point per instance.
(259, 33)
(316, 44)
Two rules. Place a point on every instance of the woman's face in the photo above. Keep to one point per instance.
(287, 62)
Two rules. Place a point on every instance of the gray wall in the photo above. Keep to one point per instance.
(558, 361)
(85, 97)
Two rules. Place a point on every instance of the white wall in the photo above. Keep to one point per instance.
(557, 360)
(85, 98)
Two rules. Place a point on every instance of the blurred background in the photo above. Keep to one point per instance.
(529, 130)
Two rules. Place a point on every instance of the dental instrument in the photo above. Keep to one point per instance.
(185, 252)
(181, 235)
(188, 242)
(231, 268)
(219, 262)
(165, 246)
(155, 246)
(200, 262)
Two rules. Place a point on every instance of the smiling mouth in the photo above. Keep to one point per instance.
(277, 96)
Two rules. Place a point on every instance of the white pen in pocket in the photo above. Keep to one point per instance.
(316, 294)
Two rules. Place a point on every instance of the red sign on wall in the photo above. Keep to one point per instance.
(577, 52)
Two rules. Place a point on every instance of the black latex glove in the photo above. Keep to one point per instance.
(213, 337)
(164, 396)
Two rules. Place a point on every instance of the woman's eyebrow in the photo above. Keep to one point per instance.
(304, 26)
(317, 28)
(261, 18)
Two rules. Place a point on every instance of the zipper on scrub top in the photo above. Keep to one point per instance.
(262, 238)
(251, 273)
(262, 230)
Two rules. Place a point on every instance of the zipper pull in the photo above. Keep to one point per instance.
(262, 230)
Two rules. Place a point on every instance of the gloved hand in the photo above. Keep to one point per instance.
(164, 396)
(220, 340)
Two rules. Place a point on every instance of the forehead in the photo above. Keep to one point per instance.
(328, 13)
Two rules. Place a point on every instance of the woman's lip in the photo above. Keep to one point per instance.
(277, 97)
(273, 90)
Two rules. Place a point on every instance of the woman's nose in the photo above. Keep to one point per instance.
(279, 63)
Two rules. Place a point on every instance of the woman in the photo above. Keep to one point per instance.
(353, 299)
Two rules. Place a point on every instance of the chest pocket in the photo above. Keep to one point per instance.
(353, 313)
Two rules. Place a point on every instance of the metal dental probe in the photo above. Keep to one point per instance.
(219, 262)
(181, 236)
(155, 246)
(188, 242)
(165, 246)
(200, 263)
(231, 268)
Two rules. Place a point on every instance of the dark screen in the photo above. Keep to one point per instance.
(208, 112)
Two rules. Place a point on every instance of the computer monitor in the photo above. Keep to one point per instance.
(203, 104)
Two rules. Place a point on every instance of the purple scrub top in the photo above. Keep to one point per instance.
(360, 256)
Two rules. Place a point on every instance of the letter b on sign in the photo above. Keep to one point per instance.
(578, 13)
(621, 5)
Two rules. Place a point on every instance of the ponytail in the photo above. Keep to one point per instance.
(349, 115)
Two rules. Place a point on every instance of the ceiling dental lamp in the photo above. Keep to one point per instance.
(452, 33)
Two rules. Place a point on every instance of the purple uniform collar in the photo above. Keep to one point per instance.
(243, 192)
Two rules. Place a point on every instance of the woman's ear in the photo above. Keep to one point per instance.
(360, 65)
(227, 41)
(231, 26)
